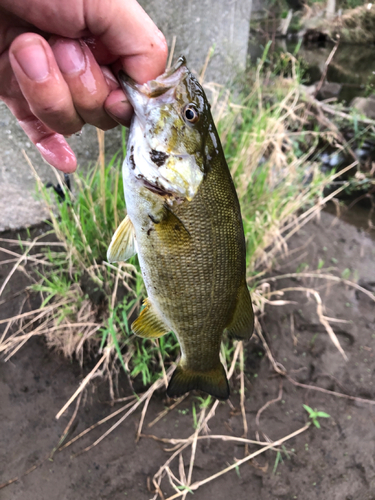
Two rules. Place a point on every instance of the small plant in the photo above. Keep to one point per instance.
(314, 415)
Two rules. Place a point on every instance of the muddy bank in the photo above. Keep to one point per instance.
(335, 462)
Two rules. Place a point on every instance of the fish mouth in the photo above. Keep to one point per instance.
(138, 94)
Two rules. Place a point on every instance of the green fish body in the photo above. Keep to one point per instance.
(184, 220)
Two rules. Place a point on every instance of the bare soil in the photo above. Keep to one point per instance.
(336, 462)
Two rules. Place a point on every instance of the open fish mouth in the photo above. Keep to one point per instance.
(161, 88)
(137, 93)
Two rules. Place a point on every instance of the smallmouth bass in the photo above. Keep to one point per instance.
(183, 219)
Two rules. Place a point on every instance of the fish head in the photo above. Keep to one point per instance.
(168, 143)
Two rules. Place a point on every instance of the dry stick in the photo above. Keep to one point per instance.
(45, 310)
(322, 318)
(171, 54)
(100, 134)
(166, 411)
(326, 65)
(333, 111)
(6, 329)
(29, 257)
(193, 451)
(243, 411)
(210, 53)
(181, 469)
(32, 243)
(275, 364)
(83, 384)
(220, 437)
(333, 393)
(279, 442)
(265, 406)
(13, 480)
(66, 430)
(156, 385)
(322, 276)
(14, 269)
(159, 476)
(143, 414)
(97, 424)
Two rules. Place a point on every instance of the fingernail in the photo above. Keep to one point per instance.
(110, 78)
(33, 61)
(69, 56)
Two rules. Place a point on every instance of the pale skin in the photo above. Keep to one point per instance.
(58, 61)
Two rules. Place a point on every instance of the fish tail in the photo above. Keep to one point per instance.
(212, 381)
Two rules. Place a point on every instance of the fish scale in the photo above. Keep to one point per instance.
(189, 237)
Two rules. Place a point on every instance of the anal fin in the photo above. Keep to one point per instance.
(212, 381)
(123, 245)
(242, 325)
(149, 325)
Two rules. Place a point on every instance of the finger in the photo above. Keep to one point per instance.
(123, 27)
(128, 32)
(42, 84)
(53, 147)
(118, 106)
(86, 81)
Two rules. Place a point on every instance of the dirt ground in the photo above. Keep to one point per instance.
(336, 462)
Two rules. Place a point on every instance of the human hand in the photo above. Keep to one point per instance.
(57, 65)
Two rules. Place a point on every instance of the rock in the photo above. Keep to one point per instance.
(365, 105)
(329, 90)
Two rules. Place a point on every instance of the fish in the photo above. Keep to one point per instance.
(184, 221)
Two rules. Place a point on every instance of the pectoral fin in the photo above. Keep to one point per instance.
(123, 244)
(242, 325)
(149, 325)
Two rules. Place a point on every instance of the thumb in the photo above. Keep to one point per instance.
(129, 35)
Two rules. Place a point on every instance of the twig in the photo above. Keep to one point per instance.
(326, 65)
(156, 385)
(66, 430)
(167, 410)
(279, 442)
(322, 276)
(14, 268)
(171, 53)
(332, 393)
(242, 403)
(85, 381)
(97, 424)
(265, 406)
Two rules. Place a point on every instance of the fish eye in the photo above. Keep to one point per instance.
(191, 114)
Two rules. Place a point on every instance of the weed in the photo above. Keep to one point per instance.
(314, 415)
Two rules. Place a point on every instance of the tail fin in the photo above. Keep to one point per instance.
(213, 382)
